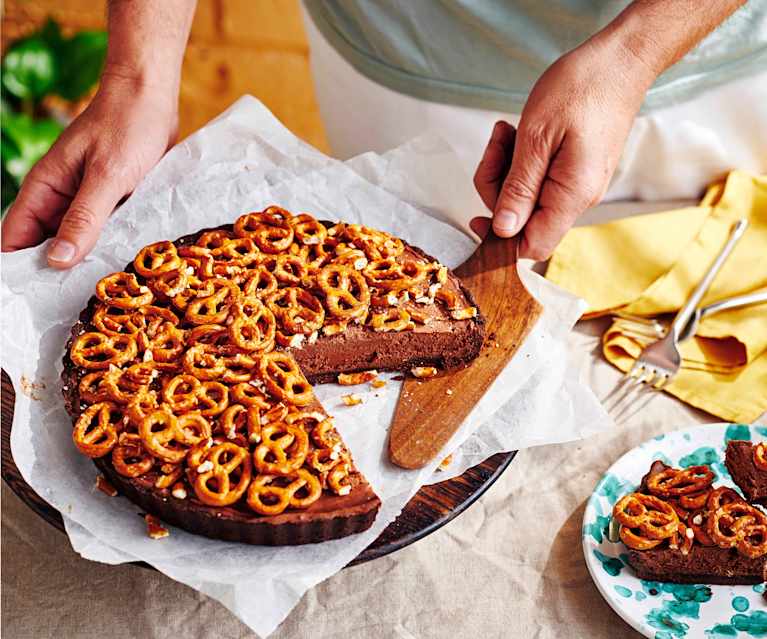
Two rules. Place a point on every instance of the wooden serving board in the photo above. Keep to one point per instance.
(430, 508)
(430, 411)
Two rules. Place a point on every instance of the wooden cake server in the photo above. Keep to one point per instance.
(430, 411)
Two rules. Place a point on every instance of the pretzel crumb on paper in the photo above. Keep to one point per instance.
(352, 399)
(352, 379)
(105, 487)
(154, 527)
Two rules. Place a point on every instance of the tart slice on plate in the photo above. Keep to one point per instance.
(188, 375)
(747, 464)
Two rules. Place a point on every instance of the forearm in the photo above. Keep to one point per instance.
(658, 33)
(147, 39)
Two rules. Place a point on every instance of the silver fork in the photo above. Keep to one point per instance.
(654, 328)
(660, 361)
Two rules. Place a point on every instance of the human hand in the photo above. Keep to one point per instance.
(97, 160)
(540, 177)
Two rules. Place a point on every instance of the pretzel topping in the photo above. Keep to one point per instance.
(760, 456)
(228, 477)
(123, 290)
(673, 482)
(95, 432)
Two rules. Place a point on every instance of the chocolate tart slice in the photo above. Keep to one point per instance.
(708, 564)
(432, 323)
(739, 459)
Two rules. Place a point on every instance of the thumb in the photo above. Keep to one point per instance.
(99, 193)
(519, 193)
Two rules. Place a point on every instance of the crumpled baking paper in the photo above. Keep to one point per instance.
(245, 160)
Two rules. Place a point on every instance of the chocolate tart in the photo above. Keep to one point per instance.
(702, 564)
(443, 341)
(739, 459)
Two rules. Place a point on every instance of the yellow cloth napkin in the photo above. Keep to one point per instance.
(649, 264)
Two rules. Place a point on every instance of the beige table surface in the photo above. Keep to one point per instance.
(510, 566)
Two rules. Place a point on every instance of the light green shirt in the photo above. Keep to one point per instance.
(489, 53)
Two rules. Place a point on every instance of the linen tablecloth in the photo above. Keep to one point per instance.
(510, 564)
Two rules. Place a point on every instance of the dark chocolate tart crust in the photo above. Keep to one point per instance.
(444, 342)
(739, 459)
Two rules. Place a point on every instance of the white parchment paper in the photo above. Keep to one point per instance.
(245, 160)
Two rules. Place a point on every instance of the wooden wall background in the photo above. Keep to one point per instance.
(236, 47)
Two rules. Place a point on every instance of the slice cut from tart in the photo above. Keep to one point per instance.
(679, 528)
(747, 464)
(188, 374)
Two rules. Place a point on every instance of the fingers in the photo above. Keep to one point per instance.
(518, 196)
(480, 225)
(573, 184)
(99, 193)
(495, 163)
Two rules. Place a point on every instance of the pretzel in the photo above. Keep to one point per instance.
(195, 285)
(307, 230)
(152, 319)
(96, 440)
(392, 319)
(168, 437)
(296, 310)
(346, 292)
(645, 519)
(259, 283)
(288, 270)
(238, 419)
(270, 229)
(167, 345)
(113, 320)
(213, 307)
(129, 457)
(277, 413)
(351, 257)
(181, 393)
(214, 239)
(253, 324)
(672, 482)
(96, 351)
(324, 434)
(391, 275)
(682, 539)
(91, 388)
(760, 456)
(284, 380)
(323, 460)
(241, 251)
(170, 474)
(203, 362)
(143, 403)
(118, 387)
(721, 496)
(123, 290)
(172, 283)
(210, 334)
(212, 398)
(239, 368)
(220, 485)
(272, 494)
(697, 521)
(739, 525)
(247, 394)
(376, 244)
(694, 501)
(156, 259)
(339, 479)
(283, 449)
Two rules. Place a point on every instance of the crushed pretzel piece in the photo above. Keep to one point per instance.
(154, 527)
(178, 491)
(205, 467)
(352, 379)
(105, 487)
(378, 383)
(464, 313)
(297, 341)
(449, 391)
(443, 465)
(351, 400)
(423, 372)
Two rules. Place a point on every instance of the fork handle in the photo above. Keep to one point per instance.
(748, 299)
(692, 302)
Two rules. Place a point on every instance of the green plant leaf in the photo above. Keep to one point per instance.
(80, 61)
(25, 141)
(29, 68)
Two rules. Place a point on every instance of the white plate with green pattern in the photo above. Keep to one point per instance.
(666, 610)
